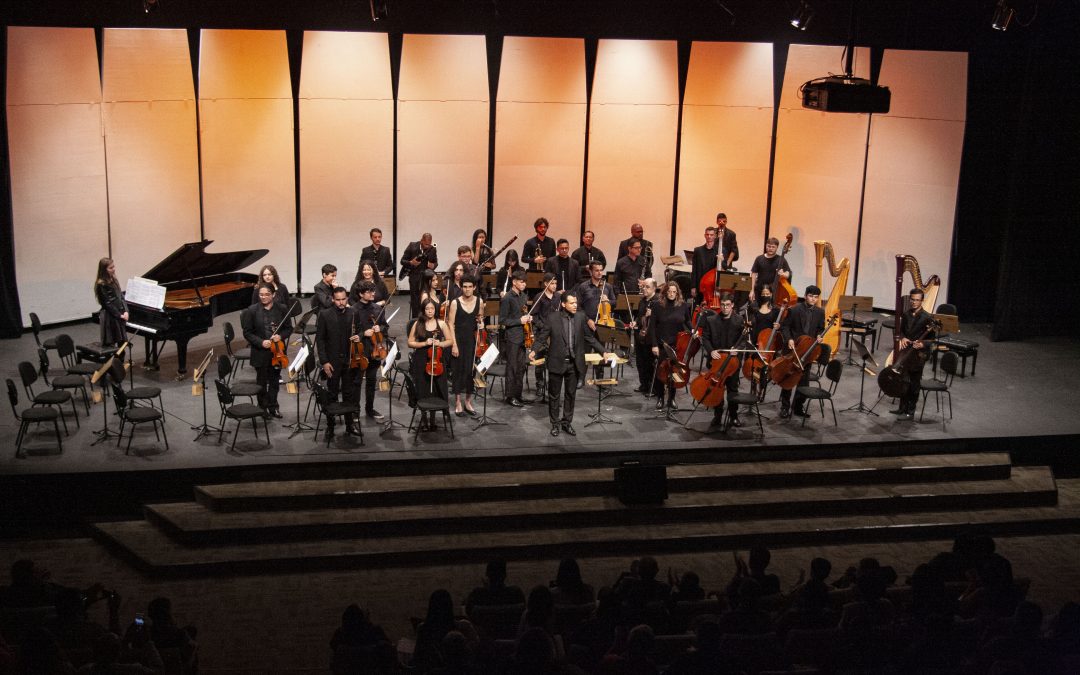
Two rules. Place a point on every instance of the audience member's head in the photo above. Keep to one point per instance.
(820, 569)
(648, 568)
(689, 583)
(569, 574)
(160, 611)
(641, 641)
(107, 649)
(535, 648)
(440, 611)
(454, 649)
(759, 559)
(496, 572)
(540, 607)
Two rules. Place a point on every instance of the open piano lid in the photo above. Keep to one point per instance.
(191, 261)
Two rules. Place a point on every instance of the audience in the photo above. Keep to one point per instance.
(568, 588)
(493, 590)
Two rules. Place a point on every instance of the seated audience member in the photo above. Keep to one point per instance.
(643, 588)
(568, 587)
(686, 588)
(438, 621)
(745, 618)
(168, 636)
(594, 637)
(871, 609)
(359, 645)
(31, 587)
(810, 609)
(637, 656)
(39, 654)
(136, 655)
(494, 590)
(539, 611)
(928, 596)
(457, 656)
(755, 569)
(704, 658)
(71, 627)
(535, 654)
(1016, 639)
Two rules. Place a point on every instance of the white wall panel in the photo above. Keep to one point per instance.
(58, 187)
(726, 140)
(539, 139)
(633, 130)
(442, 140)
(247, 148)
(346, 150)
(151, 143)
(913, 170)
(819, 166)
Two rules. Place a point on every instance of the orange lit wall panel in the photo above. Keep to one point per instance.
(442, 140)
(913, 170)
(726, 139)
(150, 137)
(540, 139)
(346, 150)
(634, 121)
(57, 154)
(819, 166)
(247, 145)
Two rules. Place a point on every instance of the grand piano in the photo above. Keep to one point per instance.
(198, 287)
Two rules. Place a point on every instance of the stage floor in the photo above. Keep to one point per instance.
(1021, 390)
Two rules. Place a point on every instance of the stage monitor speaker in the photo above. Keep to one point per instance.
(637, 483)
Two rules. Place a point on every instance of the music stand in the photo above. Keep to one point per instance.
(534, 280)
(853, 302)
(204, 429)
(865, 355)
(669, 383)
(610, 338)
(387, 366)
(300, 425)
(105, 433)
(599, 417)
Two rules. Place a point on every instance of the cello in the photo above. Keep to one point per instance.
(893, 379)
(708, 388)
(787, 370)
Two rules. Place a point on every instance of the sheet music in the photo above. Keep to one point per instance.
(488, 358)
(145, 292)
(391, 356)
(298, 361)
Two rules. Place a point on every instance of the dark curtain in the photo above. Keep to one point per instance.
(10, 313)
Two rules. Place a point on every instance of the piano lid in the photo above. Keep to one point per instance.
(191, 261)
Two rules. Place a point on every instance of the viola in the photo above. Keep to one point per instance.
(603, 313)
(434, 366)
(357, 358)
(708, 388)
(481, 340)
(787, 370)
(378, 346)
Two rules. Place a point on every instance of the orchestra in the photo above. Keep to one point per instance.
(552, 325)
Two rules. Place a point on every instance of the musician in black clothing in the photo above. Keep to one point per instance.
(506, 273)
(547, 302)
(370, 319)
(913, 323)
(803, 319)
(512, 317)
(767, 266)
(563, 267)
(729, 247)
(704, 259)
(324, 290)
(263, 324)
(670, 316)
(418, 257)
(644, 358)
(367, 272)
(720, 333)
(483, 256)
(114, 311)
(586, 254)
(630, 270)
(589, 291)
(564, 336)
(539, 248)
(379, 254)
(269, 275)
(636, 232)
(334, 336)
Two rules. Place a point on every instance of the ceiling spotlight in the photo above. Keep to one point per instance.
(1003, 15)
(149, 6)
(379, 9)
(801, 18)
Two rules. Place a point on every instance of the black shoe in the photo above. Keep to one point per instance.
(554, 429)
(374, 414)
(785, 412)
(274, 412)
(801, 413)
(906, 417)
(517, 403)
(569, 428)
(898, 411)
(673, 407)
(527, 401)
(351, 430)
(736, 423)
(660, 406)
(715, 427)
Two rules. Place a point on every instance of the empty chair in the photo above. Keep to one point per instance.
(427, 404)
(69, 383)
(69, 358)
(225, 373)
(56, 397)
(949, 362)
(239, 356)
(30, 416)
(332, 408)
(832, 373)
(239, 412)
(35, 327)
(135, 415)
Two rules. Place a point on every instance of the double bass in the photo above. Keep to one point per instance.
(781, 287)
(787, 370)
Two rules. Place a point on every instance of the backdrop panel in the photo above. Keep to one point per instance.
(633, 130)
(913, 170)
(346, 150)
(151, 143)
(442, 140)
(58, 187)
(819, 167)
(247, 146)
(540, 138)
(726, 141)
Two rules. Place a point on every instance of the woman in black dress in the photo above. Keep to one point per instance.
(670, 317)
(481, 252)
(269, 275)
(466, 317)
(428, 331)
(114, 312)
(510, 265)
(366, 272)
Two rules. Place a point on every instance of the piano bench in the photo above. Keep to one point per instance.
(962, 349)
(93, 351)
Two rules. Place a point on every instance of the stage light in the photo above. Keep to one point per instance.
(149, 5)
(1003, 15)
(380, 9)
(801, 18)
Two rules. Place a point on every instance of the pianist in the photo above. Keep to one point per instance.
(264, 323)
(114, 312)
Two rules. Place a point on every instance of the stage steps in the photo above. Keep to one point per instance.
(424, 519)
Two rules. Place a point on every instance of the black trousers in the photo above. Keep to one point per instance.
(785, 395)
(646, 367)
(370, 377)
(731, 385)
(268, 377)
(564, 383)
(342, 383)
(914, 371)
(515, 369)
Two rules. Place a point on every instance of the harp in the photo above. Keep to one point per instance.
(908, 264)
(823, 251)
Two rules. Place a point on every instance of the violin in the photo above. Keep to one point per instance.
(279, 359)
(603, 310)
(528, 327)
(434, 366)
(481, 340)
(787, 370)
(379, 350)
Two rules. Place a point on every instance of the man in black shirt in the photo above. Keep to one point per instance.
(539, 248)
(564, 336)
(630, 269)
(264, 324)
(333, 339)
(723, 332)
(589, 291)
(913, 324)
(644, 358)
(704, 260)
(586, 254)
(767, 266)
(418, 257)
(465, 257)
(563, 267)
(729, 247)
(512, 318)
(370, 319)
(636, 232)
(324, 290)
(379, 254)
(803, 319)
